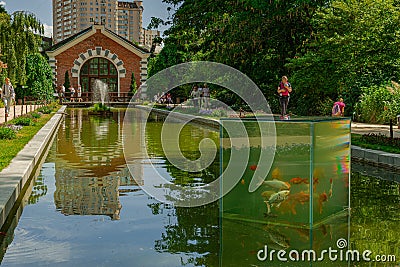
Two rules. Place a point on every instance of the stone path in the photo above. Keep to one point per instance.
(364, 128)
(19, 109)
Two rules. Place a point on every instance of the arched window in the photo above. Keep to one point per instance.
(101, 69)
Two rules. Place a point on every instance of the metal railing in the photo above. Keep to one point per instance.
(88, 97)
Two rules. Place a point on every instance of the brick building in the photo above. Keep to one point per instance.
(97, 53)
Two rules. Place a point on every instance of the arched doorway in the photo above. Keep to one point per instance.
(98, 68)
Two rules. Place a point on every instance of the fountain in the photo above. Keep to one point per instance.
(100, 92)
(100, 96)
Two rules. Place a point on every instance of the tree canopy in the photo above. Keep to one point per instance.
(327, 48)
(39, 77)
(19, 36)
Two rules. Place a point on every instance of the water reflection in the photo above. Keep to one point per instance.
(375, 214)
(90, 166)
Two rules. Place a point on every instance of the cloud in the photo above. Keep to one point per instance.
(48, 30)
(2, 3)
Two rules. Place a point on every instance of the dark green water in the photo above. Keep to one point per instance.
(85, 209)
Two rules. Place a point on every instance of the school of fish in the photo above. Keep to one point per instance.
(279, 195)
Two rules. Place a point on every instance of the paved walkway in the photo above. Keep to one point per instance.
(19, 110)
(364, 128)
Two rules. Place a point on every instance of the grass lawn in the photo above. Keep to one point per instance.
(10, 148)
(383, 144)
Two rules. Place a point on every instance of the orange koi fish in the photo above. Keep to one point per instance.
(331, 188)
(321, 199)
(293, 200)
(242, 181)
(300, 197)
(315, 182)
(298, 180)
(253, 167)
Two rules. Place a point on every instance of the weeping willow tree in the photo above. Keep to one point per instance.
(19, 36)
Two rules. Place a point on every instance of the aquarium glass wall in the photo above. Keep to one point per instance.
(303, 195)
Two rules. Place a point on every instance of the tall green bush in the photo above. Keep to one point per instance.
(377, 102)
(67, 83)
(133, 86)
(39, 77)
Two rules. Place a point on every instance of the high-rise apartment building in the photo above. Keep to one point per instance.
(129, 20)
(73, 16)
(147, 37)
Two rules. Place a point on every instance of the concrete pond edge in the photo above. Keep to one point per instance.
(14, 177)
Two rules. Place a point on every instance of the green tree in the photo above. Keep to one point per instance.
(355, 45)
(67, 83)
(133, 86)
(39, 79)
(255, 37)
(19, 36)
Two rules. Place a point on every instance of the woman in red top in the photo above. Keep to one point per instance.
(284, 90)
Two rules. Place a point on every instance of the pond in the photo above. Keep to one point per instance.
(85, 209)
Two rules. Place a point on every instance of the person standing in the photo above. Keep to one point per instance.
(72, 90)
(200, 90)
(79, 93)
(63, 92)
(195, 94)
(7, 95)
(284, 90)
(206, 96)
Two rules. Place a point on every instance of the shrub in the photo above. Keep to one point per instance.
(324, 106)
(23, 121)
(35, 115)
(380, 139)
(7, 133)
(219, 113)
(372, 104)
(45, 110)
(39, 77)
(98, 107)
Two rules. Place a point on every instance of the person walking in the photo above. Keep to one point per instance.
(284, 90)
(7, 95)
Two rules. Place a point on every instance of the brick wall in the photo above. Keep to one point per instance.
(65, 60)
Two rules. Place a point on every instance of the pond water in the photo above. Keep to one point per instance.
(85, 209)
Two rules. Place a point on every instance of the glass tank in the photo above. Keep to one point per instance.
(293, 191)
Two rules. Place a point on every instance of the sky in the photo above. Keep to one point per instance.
(43, 10)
